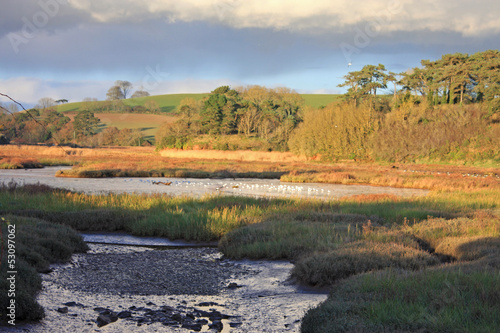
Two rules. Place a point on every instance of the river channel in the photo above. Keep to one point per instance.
(197, 187)
(145, 277)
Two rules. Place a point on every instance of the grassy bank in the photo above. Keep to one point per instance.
(30, 245)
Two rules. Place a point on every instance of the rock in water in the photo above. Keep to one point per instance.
(217, 325)
(105, 319)
(63, 310)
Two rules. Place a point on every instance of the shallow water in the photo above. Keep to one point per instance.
(198, 187)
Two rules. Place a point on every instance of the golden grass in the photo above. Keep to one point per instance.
(241, 155)
(37, 151)
(359, 257)
(19, 163)
(291, 168)
(462, 238)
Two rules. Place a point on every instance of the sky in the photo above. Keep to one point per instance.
(76, 49)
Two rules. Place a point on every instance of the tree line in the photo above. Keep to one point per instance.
(447, 109)
(257, 112)
(455, 78)
(44, 124)
(50, 126)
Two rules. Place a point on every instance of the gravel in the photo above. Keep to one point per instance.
(120, 270)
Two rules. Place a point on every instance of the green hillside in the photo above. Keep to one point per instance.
(169, 102)
(69, 107)
(319, 100)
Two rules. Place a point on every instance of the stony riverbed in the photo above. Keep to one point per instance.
(116, 288)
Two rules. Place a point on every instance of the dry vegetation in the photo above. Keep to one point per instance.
(143, 161)
(241, 155)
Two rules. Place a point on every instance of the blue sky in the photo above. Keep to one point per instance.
(75, 49)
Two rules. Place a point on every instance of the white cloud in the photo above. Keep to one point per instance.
(189, 86)
(466, 17)
(29, 90)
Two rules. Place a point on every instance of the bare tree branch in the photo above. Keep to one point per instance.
(31, 116)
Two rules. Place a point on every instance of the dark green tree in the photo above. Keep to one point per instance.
(486, 75)
(212, 113)
(85, 124)
(55, 121)
(219, 112)
(365, 82)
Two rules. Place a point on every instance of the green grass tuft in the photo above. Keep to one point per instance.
(434, 300)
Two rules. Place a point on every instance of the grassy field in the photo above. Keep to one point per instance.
(391, 264)
(168, 103)
(319, 100)
(148, 124)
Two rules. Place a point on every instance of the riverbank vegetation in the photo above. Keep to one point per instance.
(146, 162)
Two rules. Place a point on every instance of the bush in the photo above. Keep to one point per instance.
(443, 132)
(337, 131)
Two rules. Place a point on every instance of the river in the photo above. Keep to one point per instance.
(197, 187)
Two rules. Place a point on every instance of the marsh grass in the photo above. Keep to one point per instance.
(279, 238)
(140, 161)
(462, 238)
(348, 259)
(414, 293)
(38, 243)
(174, 173)
(433, 300)
(19, 163)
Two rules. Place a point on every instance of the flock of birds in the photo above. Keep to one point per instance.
(270, 187)
(267, 187)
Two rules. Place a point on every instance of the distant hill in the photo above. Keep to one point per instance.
(169, 102)
(319, 100)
